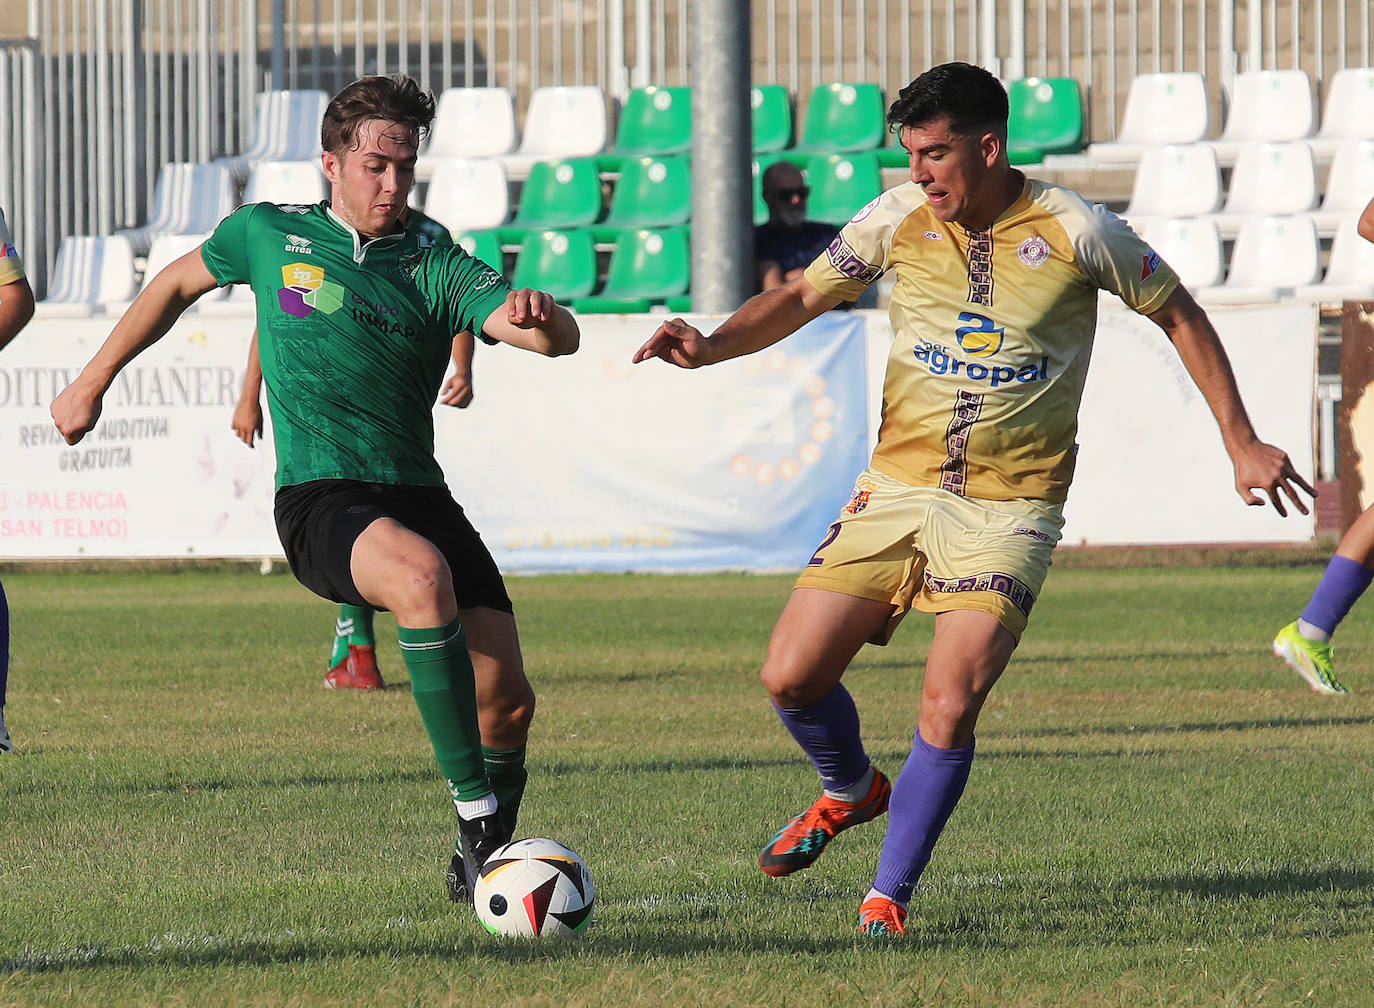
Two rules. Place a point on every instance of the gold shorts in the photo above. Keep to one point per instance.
(929, 549)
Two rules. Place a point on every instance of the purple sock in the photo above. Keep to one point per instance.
(828, 732)
(1344, 581)
(923, 796)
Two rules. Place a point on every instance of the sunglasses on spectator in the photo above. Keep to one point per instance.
(801, 192)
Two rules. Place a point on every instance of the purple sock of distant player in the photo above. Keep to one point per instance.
(923, 796)
(828, 732)
(1344, 581)
(4, 644)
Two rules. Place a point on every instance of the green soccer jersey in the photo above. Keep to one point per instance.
(353, 335)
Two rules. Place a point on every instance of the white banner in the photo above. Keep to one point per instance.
(588, 463)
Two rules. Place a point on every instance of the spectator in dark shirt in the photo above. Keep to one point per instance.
(787, 242)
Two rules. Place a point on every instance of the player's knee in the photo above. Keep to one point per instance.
(949, 716)
(789, 687)
(507, 717)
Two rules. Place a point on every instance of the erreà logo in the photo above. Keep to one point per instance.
(297, 244)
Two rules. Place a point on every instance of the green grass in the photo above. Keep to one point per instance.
(1160, 813)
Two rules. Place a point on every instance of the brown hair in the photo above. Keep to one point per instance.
(396, 98)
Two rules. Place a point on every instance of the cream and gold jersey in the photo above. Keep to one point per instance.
(11, 266)
(992, 332)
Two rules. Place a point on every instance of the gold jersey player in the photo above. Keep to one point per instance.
(993, 313)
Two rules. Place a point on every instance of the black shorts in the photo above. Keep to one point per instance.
(318, 522)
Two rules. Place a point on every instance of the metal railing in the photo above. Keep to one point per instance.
(104, 92)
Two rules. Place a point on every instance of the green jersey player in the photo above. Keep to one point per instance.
(355, 318)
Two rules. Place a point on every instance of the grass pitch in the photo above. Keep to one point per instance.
(1160, 813)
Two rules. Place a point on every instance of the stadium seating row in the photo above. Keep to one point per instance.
(1184, 180)
(1265, 106)
(471, 194)
(1273, 258)
(646, 267)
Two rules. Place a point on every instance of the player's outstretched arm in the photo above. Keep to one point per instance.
(531, 320)
(760, 322)
(77, 408)
(1257, 465)
(16, 308)
(247, 421)
(457, 389)
(1366, 225)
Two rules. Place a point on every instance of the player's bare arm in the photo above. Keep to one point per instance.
(1366, 225)
(457, 389)
(760, 322)
(77, 408)
(1257, 465)
(247, 421)
(16, 308)
(531, 320)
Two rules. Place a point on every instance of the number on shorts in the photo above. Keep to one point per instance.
(830, 535)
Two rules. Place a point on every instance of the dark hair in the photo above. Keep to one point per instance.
(971, 99)
(396, 98)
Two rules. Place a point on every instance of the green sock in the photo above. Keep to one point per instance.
(441, 682)
(354, 626)
(507, 773)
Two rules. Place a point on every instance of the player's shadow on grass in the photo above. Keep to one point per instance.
(1186, 727)
(1249, 884)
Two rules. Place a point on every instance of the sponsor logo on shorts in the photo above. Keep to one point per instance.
(857, 502)
(1035, 534)
(1012, 588)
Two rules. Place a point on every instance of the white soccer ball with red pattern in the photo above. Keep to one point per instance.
(535, 887)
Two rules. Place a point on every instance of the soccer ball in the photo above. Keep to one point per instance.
(532, 888)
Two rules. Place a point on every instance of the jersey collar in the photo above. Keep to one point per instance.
(361, 246)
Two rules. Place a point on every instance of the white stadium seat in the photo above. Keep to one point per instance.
(1268, 179)
(1175, 180)
(1272, 256)
(164, 251)
(1349, 272)
(561, 122)
(468, 194)
(470, 122)
(1349, 186)
(286, 127)
(1161, 108)
(90, 271)
(300, 182)
(1346, 114)
(1266, 105)
(1191, 246)
(189, 197)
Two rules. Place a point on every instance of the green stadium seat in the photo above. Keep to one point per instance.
(771, 107)
(842, 184)
(843, 117)
(651, 192)
(654, 120)
(648, 266)
(483, 245)
(892, 154)
(561, 263)
(1046, 118)
(563, 193)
